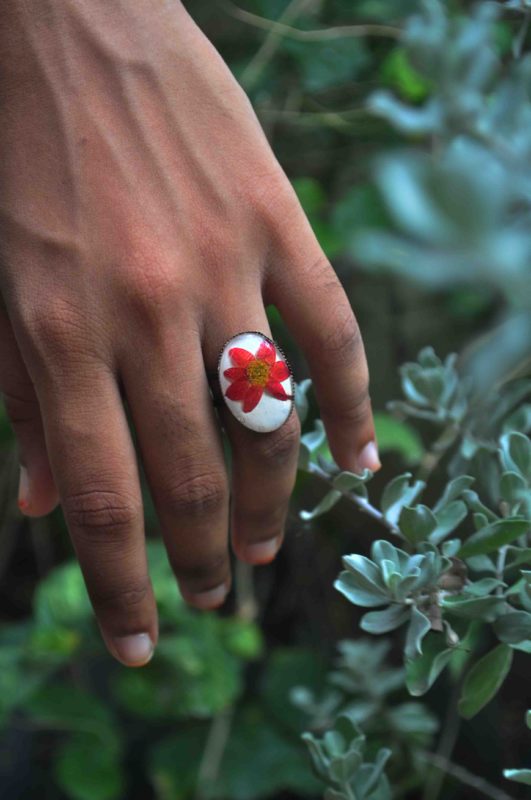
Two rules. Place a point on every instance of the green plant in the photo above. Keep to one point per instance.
(455, 574)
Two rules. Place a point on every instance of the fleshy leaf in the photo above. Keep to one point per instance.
(484, 680)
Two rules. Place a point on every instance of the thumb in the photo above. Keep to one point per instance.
(37, 493)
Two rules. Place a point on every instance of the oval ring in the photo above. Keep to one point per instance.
(256, 381)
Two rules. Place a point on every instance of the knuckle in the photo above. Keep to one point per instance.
(130, 596)
(58, 331)
(197, 495)
(280, 447)
(150, 287)
(272, 197)
(99, 512)
(21, 409)
(341, 341)
(204, 572)
(354, 412)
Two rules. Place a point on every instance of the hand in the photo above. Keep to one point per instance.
(143, 222)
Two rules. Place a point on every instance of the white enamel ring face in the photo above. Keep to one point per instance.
(256, 382)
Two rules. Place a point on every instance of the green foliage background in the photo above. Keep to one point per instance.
(406, 130)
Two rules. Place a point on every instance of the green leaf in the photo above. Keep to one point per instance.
(397, 494)
(484, 680)
(301, 398)
(454, 489)
(377, 622)
(67, 707)
(367, 573)
(423, 671)
(360, 590)
(87, 771)
(349, 482)
(284, 669)
(312, 441)
(448, 519)
(493, 536)
(259, 761)
(512, 487)
(397, 436)
(513, 627)
(462, 605)
(398, 73)
(194, 674)
(413, 718)
(417, 630)
(61, 598)
(417, 523)
(329, 501)
(474, 503)
(515, 454)
(518, 775)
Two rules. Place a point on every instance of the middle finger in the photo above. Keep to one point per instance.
(181, 450)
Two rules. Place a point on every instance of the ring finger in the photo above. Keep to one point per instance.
(263, 464)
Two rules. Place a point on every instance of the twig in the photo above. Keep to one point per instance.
(521, 36)
(445, 747)
(339, 120)
(441, 445)
(271, 43)
(220, 728)
(216, 742)
(320, 35)
(483, 787)
(361, 502)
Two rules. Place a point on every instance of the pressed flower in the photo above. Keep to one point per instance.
(256, 373)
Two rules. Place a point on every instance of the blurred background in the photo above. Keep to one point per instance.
(215, 714)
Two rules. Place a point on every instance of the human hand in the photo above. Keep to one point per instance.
(143, 222)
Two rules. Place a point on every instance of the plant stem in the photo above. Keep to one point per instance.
(446, 745)
(521, 36)
(363, 504)
(319, 35)
(216, 742)
(438, 449)
(271, 42)
(220, 728)
(483, 787)
(500, 566)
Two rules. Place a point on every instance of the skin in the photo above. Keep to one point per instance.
(144, 221)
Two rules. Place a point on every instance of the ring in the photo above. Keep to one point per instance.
(256, 381)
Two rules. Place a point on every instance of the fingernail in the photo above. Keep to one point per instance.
(23, 490)
(206, 601)
(368, 458)
(133, 651)
(261, 552)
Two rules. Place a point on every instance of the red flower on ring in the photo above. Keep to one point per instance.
(254, 374)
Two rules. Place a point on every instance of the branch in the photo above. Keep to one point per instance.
(483, 787)
(361, 502)
(320, 35)
(272, 41)
(220, 728)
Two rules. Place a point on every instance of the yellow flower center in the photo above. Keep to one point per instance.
(258, 372)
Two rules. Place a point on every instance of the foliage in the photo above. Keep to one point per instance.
(430, 184)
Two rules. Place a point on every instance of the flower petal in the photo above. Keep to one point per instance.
(277, 390)
(240, 357)
(252, 398)
(266, 352)
(279, 371)
(235, 373)
(237, 390)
